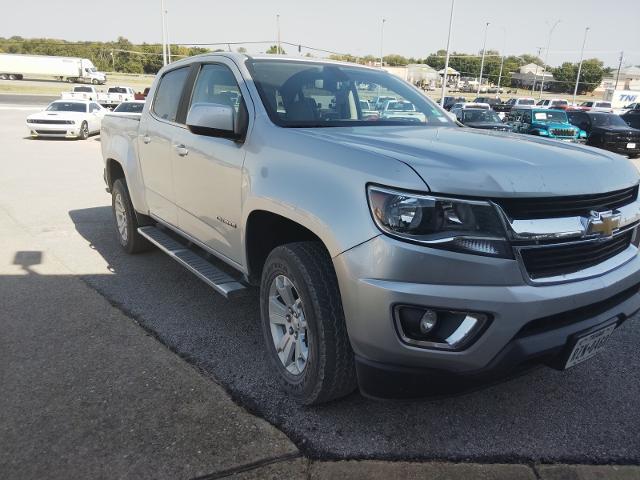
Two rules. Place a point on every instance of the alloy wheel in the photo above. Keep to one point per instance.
(288, 325)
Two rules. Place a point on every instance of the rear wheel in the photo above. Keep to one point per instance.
(94, 81)
(12, 76)
(126, 219)
(303, 323)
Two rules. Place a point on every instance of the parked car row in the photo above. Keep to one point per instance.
(606, 130)
(109, 99)
(76, 118)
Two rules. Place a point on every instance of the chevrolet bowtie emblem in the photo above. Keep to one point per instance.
(604, 223)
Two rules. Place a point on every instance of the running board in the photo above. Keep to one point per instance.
(220, 281)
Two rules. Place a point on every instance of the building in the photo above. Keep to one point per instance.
(529, 75)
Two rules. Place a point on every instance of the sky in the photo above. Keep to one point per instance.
(412, 28)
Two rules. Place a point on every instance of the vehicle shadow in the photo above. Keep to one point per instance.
(509, 421)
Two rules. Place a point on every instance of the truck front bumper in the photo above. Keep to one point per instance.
(529, 324)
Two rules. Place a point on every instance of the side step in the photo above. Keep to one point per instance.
(220, 281)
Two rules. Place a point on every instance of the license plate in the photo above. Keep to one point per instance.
(589, 346)
(631, 145)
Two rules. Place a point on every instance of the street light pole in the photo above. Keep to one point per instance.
(484, 50)
(446, 61)
(382, 41)
(278, 27)
(584, 41)
(504, 48)
(619, 67)
(164, 33)
(546, 57)
(166, 28)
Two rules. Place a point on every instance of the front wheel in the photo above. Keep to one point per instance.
(84, 131)
(303, 323)
(126, 219)
(94, 82)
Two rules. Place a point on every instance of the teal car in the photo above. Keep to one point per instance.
(544, 123)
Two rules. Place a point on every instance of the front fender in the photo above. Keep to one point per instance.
(318, 184)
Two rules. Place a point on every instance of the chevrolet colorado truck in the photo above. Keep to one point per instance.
(389, 254)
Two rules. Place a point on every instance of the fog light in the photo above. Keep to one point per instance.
(428, 321)
(438, 329)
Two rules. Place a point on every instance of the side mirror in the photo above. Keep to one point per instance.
(213, 120)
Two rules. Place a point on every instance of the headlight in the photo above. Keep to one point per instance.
(543, 132)
(467, 226)
(69, 122)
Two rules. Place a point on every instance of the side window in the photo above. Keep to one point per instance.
(216, 84)
(167, 99)
(93, 107)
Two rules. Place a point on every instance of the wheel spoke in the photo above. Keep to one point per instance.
(285, 289)
(287, 356)
(277, 311)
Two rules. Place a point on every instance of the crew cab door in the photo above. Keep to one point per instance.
(156, 137)
(208, 169)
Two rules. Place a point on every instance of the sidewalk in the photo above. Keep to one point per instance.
(87, 393)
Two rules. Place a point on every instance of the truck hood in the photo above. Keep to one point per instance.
(484, 163)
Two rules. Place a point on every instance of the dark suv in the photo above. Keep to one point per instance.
(608, 131)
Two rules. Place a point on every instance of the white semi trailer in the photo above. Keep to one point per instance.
(71, 69)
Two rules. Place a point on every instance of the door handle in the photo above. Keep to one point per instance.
(182, 150)
(146, 139)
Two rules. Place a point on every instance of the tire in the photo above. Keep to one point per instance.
(83, 134)
(3, 76)
(317, 324)
(12, 76)
(126, 220)
(94, 81)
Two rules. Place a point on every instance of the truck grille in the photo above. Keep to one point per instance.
(563, 132)
(571, 206)
(549, 261)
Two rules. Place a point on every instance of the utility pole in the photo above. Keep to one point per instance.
(584, 41)
(446, 61)
(619, 67)
(382, 42)
(278, 27)
(546, 57)
(164, 33)
(484, 50)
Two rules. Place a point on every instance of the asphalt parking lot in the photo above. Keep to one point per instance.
(589, 414)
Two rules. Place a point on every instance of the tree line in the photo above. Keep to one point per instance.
(124, 56)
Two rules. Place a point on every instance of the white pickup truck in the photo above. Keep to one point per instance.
(392, 254)
(113, 97)
(81, 92)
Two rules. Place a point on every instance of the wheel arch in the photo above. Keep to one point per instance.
(265, 230)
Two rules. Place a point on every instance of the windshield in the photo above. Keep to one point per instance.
(306, 94)
(560, 103)
(610, 120)
(67, 107)
(480, 116)
(129, 107)
(550, 116)
(526, 101)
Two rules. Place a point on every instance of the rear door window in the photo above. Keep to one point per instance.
(169, 92)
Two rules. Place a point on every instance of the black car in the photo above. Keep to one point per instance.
(608, 131)
(449, 101)
(632, 118)
(484, 119)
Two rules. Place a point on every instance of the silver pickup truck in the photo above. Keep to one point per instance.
(393, 254)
